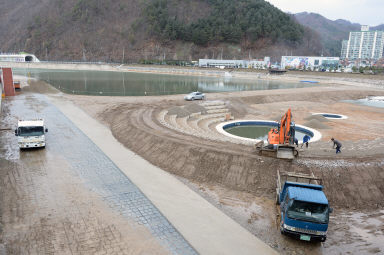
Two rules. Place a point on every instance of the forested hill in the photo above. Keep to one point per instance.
(226, 21)
(131, 30)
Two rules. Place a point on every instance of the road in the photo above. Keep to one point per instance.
(70, 198)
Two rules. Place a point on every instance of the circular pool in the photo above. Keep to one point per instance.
(257, 130)
(331, 116)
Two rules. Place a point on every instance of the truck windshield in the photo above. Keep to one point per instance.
(308, 211)
(31, 131)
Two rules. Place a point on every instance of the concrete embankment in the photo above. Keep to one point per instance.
(116, 68)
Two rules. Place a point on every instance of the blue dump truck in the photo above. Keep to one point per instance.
(304, 208)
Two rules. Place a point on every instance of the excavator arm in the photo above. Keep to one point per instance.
(282, 138)
(283, 133)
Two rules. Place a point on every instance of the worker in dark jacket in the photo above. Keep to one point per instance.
(297, 142)
(306, 139)
(337, 144)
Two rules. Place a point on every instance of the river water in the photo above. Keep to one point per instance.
(106, 83)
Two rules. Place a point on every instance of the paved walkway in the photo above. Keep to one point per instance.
(205, 227)
(89, 166)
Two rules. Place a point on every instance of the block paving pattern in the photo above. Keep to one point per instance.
(101, 176)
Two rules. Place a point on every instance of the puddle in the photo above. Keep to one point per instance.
(368, 227)
(373, 101)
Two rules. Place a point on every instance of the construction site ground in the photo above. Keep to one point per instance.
(231, 176)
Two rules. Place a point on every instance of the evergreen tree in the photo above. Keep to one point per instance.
(229, 21)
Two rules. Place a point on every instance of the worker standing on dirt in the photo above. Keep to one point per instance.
(337, 144)
(296, 142)
(306, 139)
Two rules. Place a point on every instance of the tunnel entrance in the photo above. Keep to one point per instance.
(28, 58)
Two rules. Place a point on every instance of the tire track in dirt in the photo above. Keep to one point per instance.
(231, 165)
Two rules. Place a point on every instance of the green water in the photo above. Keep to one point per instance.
(373, 101)
(257, 132)
(107, 83)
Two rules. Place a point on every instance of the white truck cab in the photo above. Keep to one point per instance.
(31, 133)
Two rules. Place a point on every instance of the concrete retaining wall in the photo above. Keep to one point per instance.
(115, 67)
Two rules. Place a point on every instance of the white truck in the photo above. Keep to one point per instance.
(31, 133)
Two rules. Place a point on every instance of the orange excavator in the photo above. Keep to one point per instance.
(281, 139)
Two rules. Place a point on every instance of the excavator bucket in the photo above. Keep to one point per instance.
(285, 152)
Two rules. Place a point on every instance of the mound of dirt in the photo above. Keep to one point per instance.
(193, 108)
(316, 124)
(320, 118)
(179, 111)
(277, 118)
(183, 111)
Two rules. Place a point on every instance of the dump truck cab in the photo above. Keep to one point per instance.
(304, 208)
(31, 133)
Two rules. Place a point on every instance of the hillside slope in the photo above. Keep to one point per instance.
(130, 30)
(332, 32)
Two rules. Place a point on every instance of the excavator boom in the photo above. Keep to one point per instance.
(281, 139)
(284, 132)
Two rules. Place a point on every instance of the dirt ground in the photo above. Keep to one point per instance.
(237, 166)
(241, 183)
(353, 180)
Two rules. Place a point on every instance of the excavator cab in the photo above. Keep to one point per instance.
(281, 139)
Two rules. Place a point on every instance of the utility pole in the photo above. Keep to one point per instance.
(221, 53)
(122, 60)
(84, 58)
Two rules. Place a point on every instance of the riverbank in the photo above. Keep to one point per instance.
(291, 76)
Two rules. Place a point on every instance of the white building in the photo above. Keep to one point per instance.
(227, 63)
(223, 63)
(305, 62)
(363, 44)
(260, 63)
